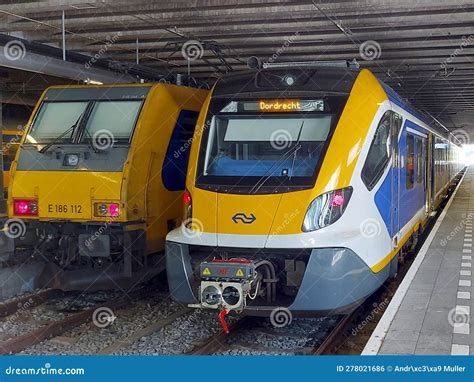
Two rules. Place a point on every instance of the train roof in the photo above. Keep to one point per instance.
(330, 80)
(74, 93)
(432, 122)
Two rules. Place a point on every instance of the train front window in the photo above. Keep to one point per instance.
(266, 145)
(58, 121)
(117, 118)
(55, 118)
(277, 146)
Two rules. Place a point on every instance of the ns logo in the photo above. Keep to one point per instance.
(243, 218)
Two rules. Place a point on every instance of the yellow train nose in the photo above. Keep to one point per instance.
(69, 195)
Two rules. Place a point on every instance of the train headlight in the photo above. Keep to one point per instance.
(107, 209)
(326, 209)
(25, 207)
(102, 209)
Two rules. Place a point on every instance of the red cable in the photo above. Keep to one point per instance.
(222, 315)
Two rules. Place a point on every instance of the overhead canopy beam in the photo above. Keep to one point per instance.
(20, 59)
(18, 53)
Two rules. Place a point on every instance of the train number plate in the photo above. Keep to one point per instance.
(65, 208)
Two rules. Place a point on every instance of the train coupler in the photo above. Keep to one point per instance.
(227, 284)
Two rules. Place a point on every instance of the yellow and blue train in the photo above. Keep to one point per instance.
(98, 179)
(304, 187)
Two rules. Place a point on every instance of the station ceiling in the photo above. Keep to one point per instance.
(424, 49)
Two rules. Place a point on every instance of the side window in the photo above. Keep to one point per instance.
(176, 160)
(410, 161)
(419, 160)
(379, 153)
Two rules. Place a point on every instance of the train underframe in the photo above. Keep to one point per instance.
(85, 256)
(320, 281)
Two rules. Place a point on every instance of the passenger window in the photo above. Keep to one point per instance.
(176, 160)
(379, 153)
(419, 160)
(410, 161)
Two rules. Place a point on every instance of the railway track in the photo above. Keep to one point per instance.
(219, 341)
(146, 331)
(327, 346)
(310, 344)
(46, 330)
(33, 300)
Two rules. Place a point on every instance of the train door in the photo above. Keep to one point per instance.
(396, 123)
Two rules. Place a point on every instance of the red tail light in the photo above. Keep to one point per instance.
(25, 207)
(114, 210)
(105, 209)
(187, 198)
(188, 209)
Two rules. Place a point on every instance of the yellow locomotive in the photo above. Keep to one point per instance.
(97, 182)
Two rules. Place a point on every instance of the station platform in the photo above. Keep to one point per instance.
(432, 310)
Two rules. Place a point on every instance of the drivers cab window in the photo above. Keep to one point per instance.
(119, 116)
(379, 153)
(54, 119)
(59, 120)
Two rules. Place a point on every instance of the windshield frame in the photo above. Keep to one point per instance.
(246, 184)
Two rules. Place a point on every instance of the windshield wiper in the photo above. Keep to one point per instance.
(85, 130)
(78, 124)
(298, 146)
(265, 177)
(59, 137)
